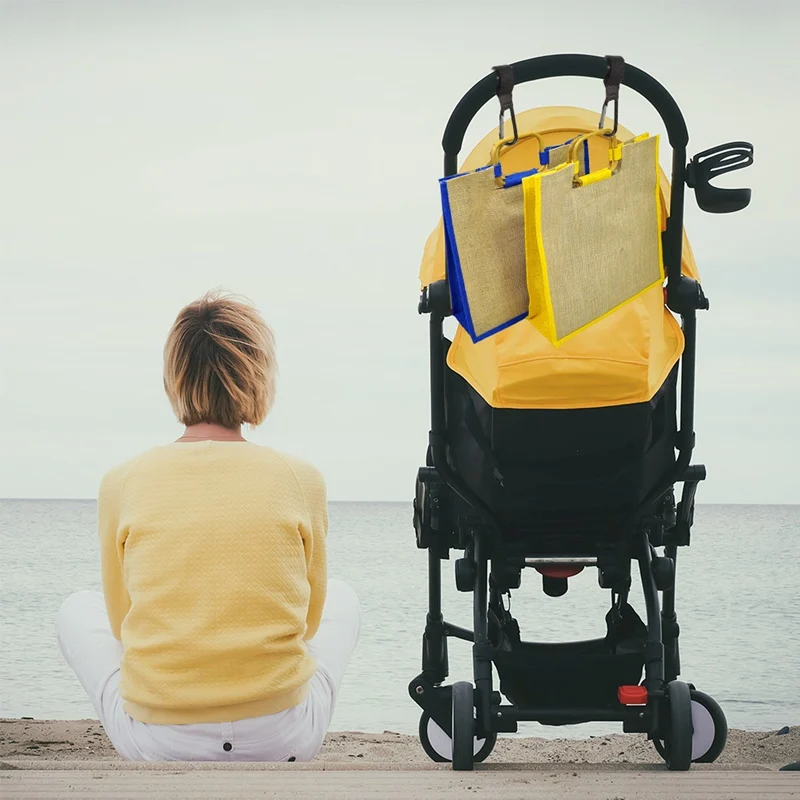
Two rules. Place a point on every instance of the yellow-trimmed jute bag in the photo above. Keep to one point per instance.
(592, 241)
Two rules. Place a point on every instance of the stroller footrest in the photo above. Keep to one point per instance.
(568, 715)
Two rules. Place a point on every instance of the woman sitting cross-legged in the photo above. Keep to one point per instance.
(217, 636)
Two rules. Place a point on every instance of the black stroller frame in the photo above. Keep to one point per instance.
(450, 514)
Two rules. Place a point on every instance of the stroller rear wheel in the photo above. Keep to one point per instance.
(438, 746)
(678, 742)
(710, 730)
(463, 725)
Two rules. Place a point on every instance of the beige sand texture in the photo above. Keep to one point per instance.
(45, 760)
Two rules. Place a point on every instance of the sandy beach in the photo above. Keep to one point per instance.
(84, 740)
(54, 759)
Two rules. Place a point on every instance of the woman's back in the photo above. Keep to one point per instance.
(215, 554)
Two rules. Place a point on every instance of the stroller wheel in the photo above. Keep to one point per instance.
(710, 730)
(439, 746)
(678, 743)
(463, 725)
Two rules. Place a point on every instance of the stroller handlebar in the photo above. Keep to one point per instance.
(556, 66)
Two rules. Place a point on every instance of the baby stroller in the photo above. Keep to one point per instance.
(558, 459)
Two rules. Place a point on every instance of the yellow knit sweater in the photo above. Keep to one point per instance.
(214, 573)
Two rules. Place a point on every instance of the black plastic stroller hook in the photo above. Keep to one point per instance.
(612, 81)
(505, 88)
(717, 161)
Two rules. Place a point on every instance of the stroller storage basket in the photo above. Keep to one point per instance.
(555, 675)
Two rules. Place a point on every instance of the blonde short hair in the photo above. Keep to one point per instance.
(219, 363)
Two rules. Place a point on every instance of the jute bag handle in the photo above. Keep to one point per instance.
(614, 157)
(501, 143)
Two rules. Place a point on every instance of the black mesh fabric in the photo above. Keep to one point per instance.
(559, 470)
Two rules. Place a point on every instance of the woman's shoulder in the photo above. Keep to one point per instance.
(295, 474)
(117, 475)
(112, 482)
(303, 470)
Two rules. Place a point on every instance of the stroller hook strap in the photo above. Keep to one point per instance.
(505, 87)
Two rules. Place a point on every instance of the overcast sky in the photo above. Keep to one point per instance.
(150, 151)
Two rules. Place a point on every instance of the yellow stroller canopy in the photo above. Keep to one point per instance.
(623, 358)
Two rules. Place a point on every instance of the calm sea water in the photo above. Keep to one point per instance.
(738, 603)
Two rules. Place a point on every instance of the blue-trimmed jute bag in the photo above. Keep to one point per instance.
(483, 215)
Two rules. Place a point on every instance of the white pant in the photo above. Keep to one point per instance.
(90, 648)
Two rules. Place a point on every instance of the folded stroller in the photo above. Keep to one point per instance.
(558, 458)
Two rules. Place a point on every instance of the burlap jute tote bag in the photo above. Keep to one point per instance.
(592, 241)
(484, 228)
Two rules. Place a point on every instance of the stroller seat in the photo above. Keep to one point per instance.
(563, 458)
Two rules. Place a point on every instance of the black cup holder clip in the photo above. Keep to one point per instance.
(709, 164)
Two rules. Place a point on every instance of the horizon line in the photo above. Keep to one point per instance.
(94, 500)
